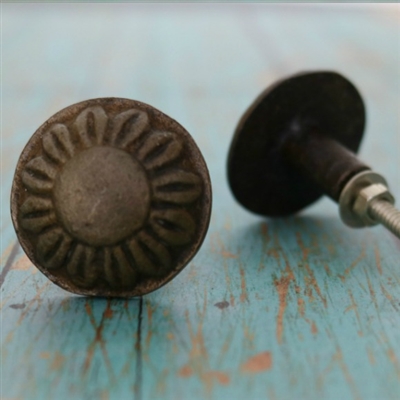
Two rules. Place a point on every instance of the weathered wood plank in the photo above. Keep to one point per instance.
(296, 308)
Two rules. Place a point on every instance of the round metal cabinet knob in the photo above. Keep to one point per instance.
(111, 197)
(298, 141)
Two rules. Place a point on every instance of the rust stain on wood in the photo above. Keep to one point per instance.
(378, 259)
(311, 283)
(314, 329)
(371, 356)
(208, 377)
(389, 297)
(24, 264)
(98, 339)
(57, 362)
(353, 306)
(150, 311)
(300, 306)
(243, 294)
(258, 363)
(282, 287)
(198, 364)
(6, 253)
(310, 280)
(221, 377)
(327, 269)
(353, 264)
(394, 360)
(186, 371)
(337, 359)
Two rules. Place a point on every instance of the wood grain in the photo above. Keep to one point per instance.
(298, 308)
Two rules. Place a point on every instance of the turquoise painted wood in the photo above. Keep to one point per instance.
(300, 308)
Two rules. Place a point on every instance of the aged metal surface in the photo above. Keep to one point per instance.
(111, 198)
(284, 153)
(294, 144)
(353, 206)
(298, 308)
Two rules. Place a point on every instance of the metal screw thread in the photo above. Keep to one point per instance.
(385, 213)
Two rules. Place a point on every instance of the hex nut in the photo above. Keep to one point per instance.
(366, 196)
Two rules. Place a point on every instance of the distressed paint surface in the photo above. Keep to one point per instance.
(299, 308)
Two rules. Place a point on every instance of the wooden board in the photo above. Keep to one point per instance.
(299, 308)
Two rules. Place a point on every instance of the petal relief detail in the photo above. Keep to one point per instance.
(129, 127)
(118, 270)
(179, 187)
(91, 125)
(57, 143)
(80, 267)
(38, 175)
(175, 227)
(159, 149)
(36, 214)
(52, 248)
(151, 256)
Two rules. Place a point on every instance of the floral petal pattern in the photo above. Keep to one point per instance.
(118, 270)
(80, 266)
(37, 214)
(38, 175)
(151, 256)
(52, 248)
(179, 187)
(57, 143)
(91, 125)
(128, 127)
(160, 148)
(175, 227)
(108, 196)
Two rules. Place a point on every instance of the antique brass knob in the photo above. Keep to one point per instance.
(111, 197)
(298, 141)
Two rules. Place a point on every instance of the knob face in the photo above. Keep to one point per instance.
(111, 197)
(260, 176)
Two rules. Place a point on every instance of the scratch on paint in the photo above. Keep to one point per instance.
(98, 338)
(372, 293)
(353, 264)
(149, 323)
(221, 247)
(243, 295)
(186, 371)
(301, 307)
(337, 359)
(198, 364)
(393, 359)
(228, 284)
(57, 362)
(378, 260)
(24, 264)
(310, 280)
(389, 297)
(371, 356)
(354, 307)
(327, 270)
(258, 363)
(282, 287)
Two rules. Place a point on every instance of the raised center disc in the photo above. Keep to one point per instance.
(102, 196)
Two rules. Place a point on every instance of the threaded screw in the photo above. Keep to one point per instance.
(385, 213)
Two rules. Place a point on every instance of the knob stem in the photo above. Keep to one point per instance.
(321, 159)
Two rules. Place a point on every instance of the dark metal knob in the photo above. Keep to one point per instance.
(297, 142)
(111, 197)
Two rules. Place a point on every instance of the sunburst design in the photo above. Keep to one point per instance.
(107, 201)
